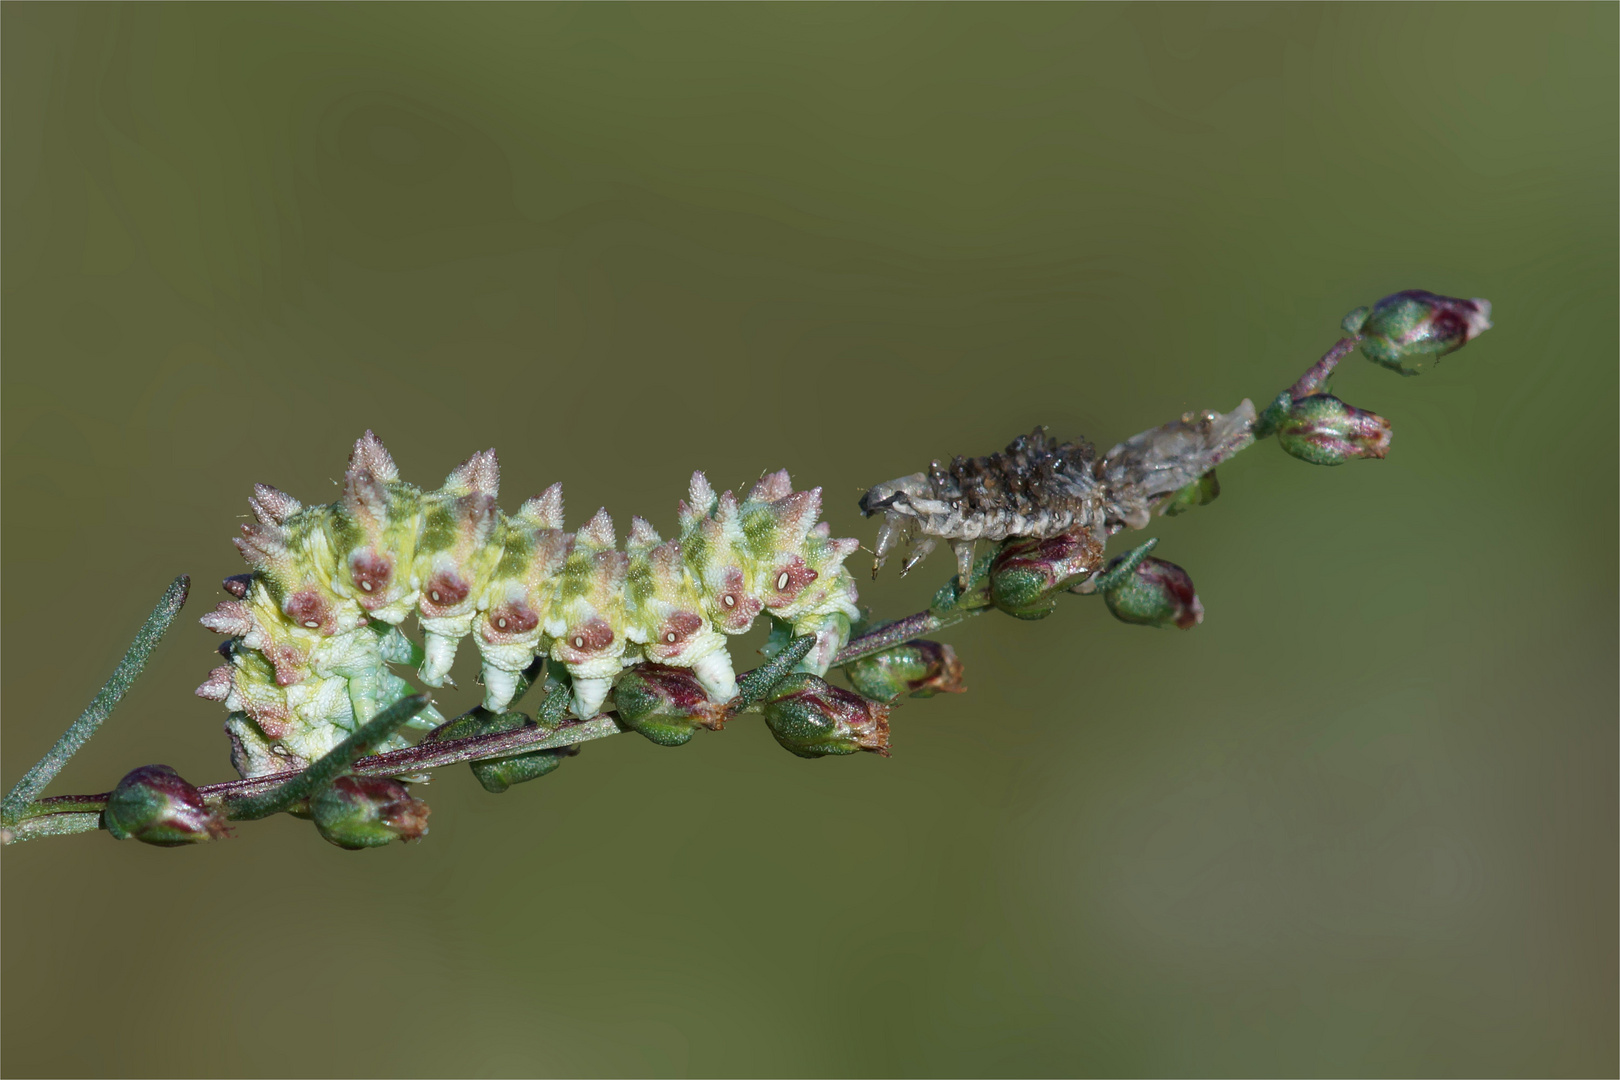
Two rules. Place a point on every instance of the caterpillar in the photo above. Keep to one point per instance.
(1040, 488)
(313, 628)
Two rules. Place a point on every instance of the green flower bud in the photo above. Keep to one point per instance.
(155, 805)
(1026, 574)
(918, 668)
(1323, 430)
(357, 812)
(814, 719)
(1159, 593)
(1405, 329)
(665, 704)
(497, 774)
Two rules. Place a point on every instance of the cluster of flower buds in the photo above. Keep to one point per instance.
(156, 806)
(919, 668)
(812, 718)
(1155, 593)
(1403, 330)
(1027, 574)
(356, 812)
(1323, 430)
(666, 704)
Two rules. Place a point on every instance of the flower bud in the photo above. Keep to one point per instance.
(1403, 330)
(814, 719)
(1026, 573)
(498, 774)
(155, 805)
(357, 812)
(1159, 593)
(918, 668)
(1323, 430)
(665, 704)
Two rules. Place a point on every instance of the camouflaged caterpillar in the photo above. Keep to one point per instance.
(314, 627)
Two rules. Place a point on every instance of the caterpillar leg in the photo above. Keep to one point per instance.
(589, 694)
(500, 687)
(440, 656)
(717, 676)
(920, 548)
(963, 549)
(832, 634)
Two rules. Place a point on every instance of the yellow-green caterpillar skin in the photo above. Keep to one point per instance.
(314, 626)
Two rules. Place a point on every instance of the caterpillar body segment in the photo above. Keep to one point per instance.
(314, 627)
(668, 619)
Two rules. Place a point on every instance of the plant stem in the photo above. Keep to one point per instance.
(1317, 375)
(78, 733)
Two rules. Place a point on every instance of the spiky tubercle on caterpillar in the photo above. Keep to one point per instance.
(314, 627)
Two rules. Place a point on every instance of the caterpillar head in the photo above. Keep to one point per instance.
(261, 624)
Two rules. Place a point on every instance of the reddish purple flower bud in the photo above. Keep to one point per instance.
(812, 718)
(1026, 574)
(1404, 330)
(918, 668)
(1323, 430)
(357, 812)
(1159, 593)
(666, 704)
(155, 805)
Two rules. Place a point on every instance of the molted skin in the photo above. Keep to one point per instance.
(312, 627)
(1039, 488)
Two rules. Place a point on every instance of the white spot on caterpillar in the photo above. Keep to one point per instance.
(366, 585)
(313, 625)
(729, 600)
(501, 623)
(781, 581)
(435, 595)
(579, 643)
(669, 638)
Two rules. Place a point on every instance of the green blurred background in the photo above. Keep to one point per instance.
(1362, 821)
